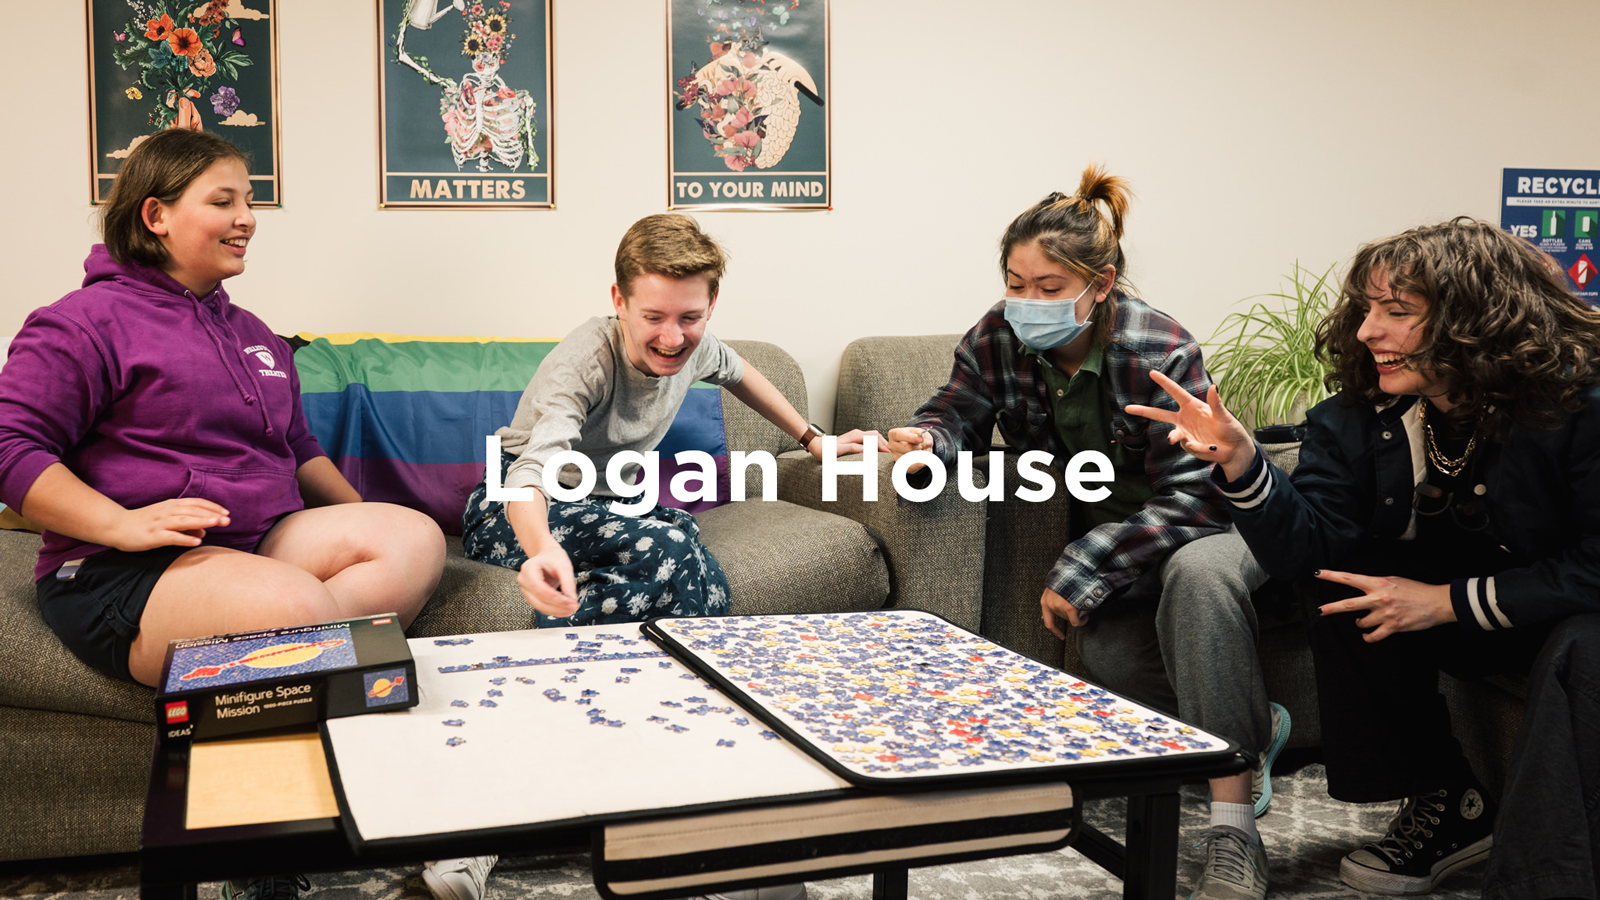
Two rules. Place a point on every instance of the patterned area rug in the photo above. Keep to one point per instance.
(1306, 834)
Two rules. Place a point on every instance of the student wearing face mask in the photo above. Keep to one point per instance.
(1158, 614)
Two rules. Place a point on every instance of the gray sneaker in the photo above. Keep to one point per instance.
(1236, 866)
(1261, 775)
(465, 878)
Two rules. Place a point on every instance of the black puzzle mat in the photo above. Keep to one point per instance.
(906, 698)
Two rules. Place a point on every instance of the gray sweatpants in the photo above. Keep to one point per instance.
(1182, 640)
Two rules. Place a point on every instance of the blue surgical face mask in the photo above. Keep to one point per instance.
(1045, 324)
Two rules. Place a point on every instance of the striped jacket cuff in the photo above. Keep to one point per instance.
(1250, 489)
(1476, 604)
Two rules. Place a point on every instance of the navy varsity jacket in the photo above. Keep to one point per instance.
(1359, 467)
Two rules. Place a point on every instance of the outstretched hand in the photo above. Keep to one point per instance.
(852, 441)
(1391, 604)
(1203, 428)
(547, 583)
(908, 439)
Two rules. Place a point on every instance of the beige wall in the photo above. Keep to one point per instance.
(1255, 134)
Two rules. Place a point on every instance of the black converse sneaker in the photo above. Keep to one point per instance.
(1432, 836)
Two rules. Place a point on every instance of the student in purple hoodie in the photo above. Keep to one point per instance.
(155, 430)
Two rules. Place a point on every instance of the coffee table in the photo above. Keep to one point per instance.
(206, 820)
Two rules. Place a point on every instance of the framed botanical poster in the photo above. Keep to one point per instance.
(211, 65)
(464, 104)
(747, 104)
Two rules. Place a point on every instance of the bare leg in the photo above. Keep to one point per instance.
(372, 557)
(1233, 789)
(211, 590)
(315, 565)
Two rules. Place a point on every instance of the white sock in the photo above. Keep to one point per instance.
(1238, 815)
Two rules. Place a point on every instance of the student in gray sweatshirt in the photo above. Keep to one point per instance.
(614, 385)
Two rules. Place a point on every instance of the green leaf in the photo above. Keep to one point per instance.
(1264, 359)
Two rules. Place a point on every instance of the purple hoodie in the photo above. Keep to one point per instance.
(147, 393)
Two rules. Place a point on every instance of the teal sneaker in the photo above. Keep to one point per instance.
(1261, 777)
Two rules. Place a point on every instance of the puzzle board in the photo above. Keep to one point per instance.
(903, 696)
(527, 727)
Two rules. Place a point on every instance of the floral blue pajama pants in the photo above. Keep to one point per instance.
(627, 568)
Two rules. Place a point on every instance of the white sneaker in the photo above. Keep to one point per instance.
(780, 892)
(458, 879)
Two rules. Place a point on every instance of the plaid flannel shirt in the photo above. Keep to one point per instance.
(993, 382)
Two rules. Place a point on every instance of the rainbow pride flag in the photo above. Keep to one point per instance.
(404, 416)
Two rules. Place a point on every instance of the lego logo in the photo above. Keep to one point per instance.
(177, 712)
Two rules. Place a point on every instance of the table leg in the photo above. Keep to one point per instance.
(890, 883)
(186, 891)
(1152, 862)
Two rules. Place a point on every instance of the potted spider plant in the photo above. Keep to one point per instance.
(1262, 358)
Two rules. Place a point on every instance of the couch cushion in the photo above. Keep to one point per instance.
(882, 380)
(71, 785)
(472, 597)
(784, 558)
(37, 671)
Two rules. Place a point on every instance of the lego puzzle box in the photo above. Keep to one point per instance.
(253, 681)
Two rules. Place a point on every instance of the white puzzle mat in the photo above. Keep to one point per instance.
(522, 727)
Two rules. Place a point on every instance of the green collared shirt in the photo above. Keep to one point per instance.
(1080, 410)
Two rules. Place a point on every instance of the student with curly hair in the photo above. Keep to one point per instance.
(1447, 501)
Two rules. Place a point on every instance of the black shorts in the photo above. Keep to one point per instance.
(96, 614)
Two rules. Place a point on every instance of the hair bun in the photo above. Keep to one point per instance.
(1096, 186)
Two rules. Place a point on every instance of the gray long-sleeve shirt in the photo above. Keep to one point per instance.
(587, 396)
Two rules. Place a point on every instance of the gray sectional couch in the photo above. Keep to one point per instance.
(75, 746)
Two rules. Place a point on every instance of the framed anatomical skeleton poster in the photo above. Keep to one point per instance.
(747, 113)
(209, 65)
(464, 104)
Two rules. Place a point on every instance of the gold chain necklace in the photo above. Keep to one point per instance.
(1446, 465)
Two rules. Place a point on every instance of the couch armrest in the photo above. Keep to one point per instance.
(934, 550)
